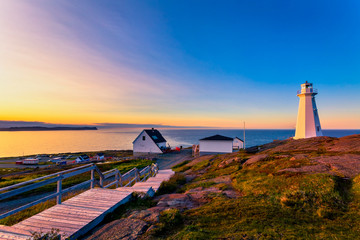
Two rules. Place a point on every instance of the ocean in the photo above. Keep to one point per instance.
(52, 142)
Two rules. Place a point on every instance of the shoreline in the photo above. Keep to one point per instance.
(35, 128)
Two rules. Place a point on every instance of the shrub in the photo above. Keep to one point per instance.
(321, 150)
(172, 184)
(53, 234)
(170, 219)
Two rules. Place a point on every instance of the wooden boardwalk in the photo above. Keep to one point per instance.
(79, 214)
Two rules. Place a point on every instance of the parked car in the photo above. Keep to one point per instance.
(56, 159)
(61, 163)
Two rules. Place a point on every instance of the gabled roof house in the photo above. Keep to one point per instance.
(219, 144)
(149, 141)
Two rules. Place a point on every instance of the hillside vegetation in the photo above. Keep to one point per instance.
(292, 189)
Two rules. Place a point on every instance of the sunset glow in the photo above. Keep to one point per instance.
(90, 62)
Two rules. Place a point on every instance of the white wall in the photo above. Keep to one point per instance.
(162, 144)
(147, 146)
(216, 146)
(237, 143)
(308, 119)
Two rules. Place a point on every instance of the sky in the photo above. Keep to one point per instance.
(179, 63)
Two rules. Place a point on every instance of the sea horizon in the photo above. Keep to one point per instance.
(24, 143)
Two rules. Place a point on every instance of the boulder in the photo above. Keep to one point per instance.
(125, 229)
(175, 200)
(150, 215)
(255, 159)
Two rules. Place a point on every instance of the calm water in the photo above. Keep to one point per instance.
(19, 143)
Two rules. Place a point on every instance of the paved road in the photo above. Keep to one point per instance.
(167, 160)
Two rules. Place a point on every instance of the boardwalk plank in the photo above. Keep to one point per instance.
(81, 213)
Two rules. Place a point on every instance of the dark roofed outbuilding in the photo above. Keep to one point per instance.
(218, 137)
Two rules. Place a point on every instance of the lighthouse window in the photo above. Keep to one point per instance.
(318, 128)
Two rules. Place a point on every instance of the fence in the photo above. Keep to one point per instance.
(134, 175)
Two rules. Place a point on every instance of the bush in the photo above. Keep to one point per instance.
(53, 234)
(321, 150)
(172, 184)
(170, 219)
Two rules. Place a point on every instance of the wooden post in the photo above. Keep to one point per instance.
(137, 175)
(101, 182)
(59, 190)
(117, 178)
(151, 171)
(92, 185)
(120, 179)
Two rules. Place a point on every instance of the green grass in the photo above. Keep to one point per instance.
(170, 221)
(123, 167)
(273, 205)
(173, 184)
(181, 167)
(202, 184)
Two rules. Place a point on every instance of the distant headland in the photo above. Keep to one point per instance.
(38, 128)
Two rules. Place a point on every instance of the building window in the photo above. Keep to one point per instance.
(143, 138)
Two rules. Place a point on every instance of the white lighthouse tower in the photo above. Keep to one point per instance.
(308, 123)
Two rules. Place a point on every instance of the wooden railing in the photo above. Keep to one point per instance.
(134, 175)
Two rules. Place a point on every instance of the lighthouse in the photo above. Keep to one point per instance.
(308, 123)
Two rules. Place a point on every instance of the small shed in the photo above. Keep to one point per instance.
(31, 161)
(99, 156)
(238, 143)
(149, 141)
(82, 158)
(216, 144)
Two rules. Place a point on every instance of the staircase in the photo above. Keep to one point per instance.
(78, 215)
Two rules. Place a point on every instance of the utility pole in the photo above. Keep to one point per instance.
(244, 134)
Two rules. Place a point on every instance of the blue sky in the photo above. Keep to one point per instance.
(192, 63)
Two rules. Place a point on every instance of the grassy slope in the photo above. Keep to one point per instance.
(272, 205)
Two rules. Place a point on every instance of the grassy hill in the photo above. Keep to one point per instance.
(292, 189)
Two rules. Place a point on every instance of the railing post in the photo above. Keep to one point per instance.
(120, 179)
(101, 182)
(156, 169)
(59, 189)
(92, 185)
(117, 178)
(136, 175)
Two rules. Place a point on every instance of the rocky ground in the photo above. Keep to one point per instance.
(283, 189)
